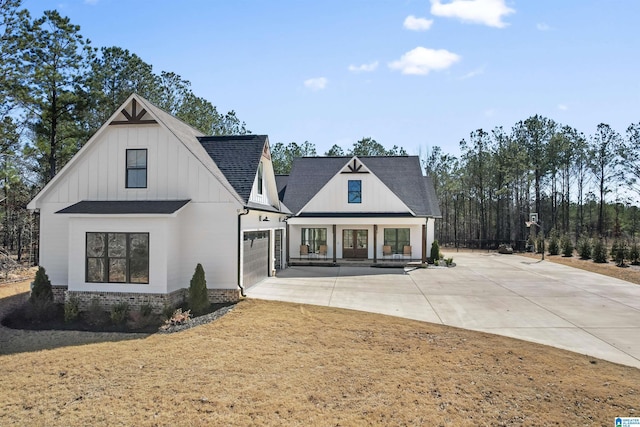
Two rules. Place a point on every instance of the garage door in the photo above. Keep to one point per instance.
(255, 264)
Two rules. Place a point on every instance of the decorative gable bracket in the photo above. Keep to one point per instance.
(354, 167)
(133, 118)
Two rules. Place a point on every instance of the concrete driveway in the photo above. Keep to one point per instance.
(507, 295)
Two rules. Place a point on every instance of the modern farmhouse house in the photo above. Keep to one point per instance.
(147, 199)
(359, 208)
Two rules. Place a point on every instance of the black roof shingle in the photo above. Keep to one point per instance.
(401, 174)
(121, 207)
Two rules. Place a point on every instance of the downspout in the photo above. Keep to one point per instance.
(245, 211)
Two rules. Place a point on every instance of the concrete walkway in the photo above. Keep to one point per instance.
(508, 295)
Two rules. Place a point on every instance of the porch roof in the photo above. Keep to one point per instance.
(122, 207)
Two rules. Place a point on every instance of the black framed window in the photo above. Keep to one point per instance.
(397, 238)
(354, 191)
(314, 238)
(136, 168)
(117, 258)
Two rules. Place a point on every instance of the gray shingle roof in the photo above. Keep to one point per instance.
(102, 207)
(237, 157)
(401, 174)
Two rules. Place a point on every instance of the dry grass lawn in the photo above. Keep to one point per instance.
(271, 363)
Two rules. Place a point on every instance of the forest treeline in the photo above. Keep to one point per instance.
(579, 185)
(57, 89)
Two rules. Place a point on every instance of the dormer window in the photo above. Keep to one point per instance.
(136, 168)
(260, 178)
(354, 191)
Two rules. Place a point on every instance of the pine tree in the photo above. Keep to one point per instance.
(42, 291)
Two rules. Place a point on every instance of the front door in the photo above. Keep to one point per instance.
(354, 244)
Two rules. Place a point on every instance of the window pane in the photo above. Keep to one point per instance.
(355, 191)
(117, 245)
(136, 159)
(139, 245)
(139, 270)
(137, 178)
(362, 239)
(95, 244)
(95, 270)
(117, 270)
(347, 239)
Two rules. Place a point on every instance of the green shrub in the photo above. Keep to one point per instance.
(585, 248)
(622, 253)
(198, 299)
(146, 310)
(41, 290)
(554, 245)
(449, 261)
(634, 254)
(119, 313)
(435, 251)
(71, 309)
(167, 311)
(599, 252)
(567, 246)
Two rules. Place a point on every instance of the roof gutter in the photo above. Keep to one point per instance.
(242, 212)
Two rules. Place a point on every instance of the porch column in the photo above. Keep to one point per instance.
(424, 243)
(287, 243)
(334, 244)
(375, 243)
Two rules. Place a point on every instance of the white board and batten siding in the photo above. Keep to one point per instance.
(173, 173)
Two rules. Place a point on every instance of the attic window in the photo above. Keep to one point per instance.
(260, 178)
(136, 168)
(354, 191)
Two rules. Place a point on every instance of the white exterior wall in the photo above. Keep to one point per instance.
(269, 196)
(159, 244)
(173, 172)
(376, 197)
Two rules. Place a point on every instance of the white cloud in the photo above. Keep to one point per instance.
(417, 24)
(489, 112)
(364, 68)
(317, 83)
(543, 27)
(473, 73)
(487, 12)
(420, 61)
(563, 107)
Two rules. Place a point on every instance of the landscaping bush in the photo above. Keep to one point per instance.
(449, 262)
(634, 254)
(614, 250)
(554, 245)
(567, 246)
(622, 253)
(95, 314)
(198, 299)
(119, 313)
(71, 309)
(585, 248)
(435, 252)
(41, 290)
(599, 252)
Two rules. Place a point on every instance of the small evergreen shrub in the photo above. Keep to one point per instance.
(599, 252)
(622, 253)
(448, 261)
(71, 309)
(554, 244)
(567, 246)
(634, 254)
(146, 310)
(41, 290)
(435, 252)
(119, 313)
(198, 299)
(585, 248)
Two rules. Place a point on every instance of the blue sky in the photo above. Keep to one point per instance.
(410, 73)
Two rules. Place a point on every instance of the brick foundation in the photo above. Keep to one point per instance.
(59, 292)
(157, 301)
